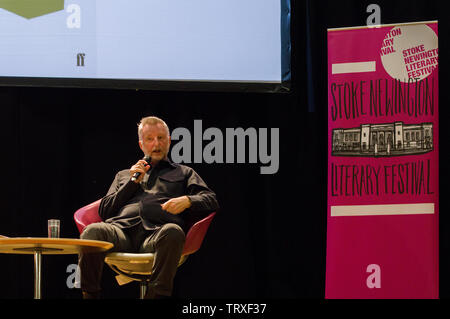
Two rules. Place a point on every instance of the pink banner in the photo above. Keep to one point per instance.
(383, 170)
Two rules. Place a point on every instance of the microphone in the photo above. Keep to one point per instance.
(136, 175)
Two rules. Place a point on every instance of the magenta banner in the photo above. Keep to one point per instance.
(383, 170)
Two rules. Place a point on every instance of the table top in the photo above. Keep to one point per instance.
(51, 246)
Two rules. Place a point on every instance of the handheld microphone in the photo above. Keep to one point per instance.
(136, 175)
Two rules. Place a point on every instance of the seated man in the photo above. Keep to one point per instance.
(148, 208)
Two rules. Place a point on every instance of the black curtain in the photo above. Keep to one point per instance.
(63, 146)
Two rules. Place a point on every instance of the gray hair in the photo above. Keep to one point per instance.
(150, 120)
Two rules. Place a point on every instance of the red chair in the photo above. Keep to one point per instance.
(87, 215)
(138, 266)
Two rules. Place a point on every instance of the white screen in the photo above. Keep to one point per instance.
(193, 40)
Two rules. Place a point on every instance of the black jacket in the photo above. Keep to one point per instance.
(128, 203)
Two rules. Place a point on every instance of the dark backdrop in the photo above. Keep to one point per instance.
(61, 148)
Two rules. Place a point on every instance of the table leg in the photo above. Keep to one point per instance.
(37, 274)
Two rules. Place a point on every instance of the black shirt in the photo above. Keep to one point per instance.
(127, 203)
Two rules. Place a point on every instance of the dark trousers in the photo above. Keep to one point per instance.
(166, 243)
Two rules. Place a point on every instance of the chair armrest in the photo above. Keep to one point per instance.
(196, 234)
(87, 215)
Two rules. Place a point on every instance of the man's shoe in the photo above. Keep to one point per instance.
(151, 294)
(91, 295)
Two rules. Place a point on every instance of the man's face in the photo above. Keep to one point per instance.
(155, 141)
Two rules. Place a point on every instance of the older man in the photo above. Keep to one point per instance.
(148, 212)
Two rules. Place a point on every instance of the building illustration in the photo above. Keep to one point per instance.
(390, 139)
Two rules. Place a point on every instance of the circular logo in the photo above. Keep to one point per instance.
(410, 52)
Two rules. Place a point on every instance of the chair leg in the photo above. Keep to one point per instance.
(142, 288)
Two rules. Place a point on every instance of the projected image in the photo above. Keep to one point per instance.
(37, 9)
(197, 40)
(51, 38)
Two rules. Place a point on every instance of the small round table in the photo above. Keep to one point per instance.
(39, 246)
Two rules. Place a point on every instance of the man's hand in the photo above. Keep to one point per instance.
(142, 167)
(176, 205)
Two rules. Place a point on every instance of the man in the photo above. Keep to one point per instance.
(150, 213)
